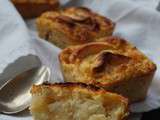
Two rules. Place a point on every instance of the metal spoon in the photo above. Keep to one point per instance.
(15, 94)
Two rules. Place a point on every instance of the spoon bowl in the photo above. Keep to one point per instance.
(15, 94)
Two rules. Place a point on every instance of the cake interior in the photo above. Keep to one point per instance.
(60, 103)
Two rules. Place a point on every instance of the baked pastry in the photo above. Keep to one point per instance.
(34, 8)
(76, 101)
(73, 26)
(114, 65)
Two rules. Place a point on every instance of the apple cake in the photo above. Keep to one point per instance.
(34, 8)
(113, 64)
(76, 101)
(73, 26)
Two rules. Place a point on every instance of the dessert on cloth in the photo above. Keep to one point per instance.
(76, 101)
(73, 26)
(34, 8)
(114, 64)
(134, 22)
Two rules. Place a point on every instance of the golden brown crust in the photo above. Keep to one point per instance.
(105, 59)
(109, 64)
(34, 8)
(78, 24)
(72, 85)
(115, 106)
(78, 84)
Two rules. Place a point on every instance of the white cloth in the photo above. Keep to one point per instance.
(15, 44)
(135, 22)
(147, 3)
